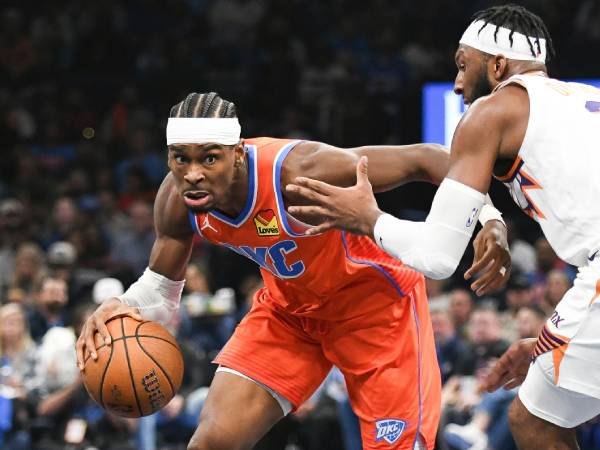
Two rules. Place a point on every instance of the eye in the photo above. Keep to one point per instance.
(180, 159)
(210, 159)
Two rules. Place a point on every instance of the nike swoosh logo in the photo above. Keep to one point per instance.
(591, 258)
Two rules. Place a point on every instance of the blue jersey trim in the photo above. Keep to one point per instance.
(194, 223)
(252, 187)
(416, 317)
(277, 188)
(372, 264)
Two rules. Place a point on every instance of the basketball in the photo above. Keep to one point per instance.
(139, 373)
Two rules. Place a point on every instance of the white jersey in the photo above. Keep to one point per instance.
(556, 176)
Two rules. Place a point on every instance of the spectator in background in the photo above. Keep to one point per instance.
(13, 233)
(106, 288)
(61, 255)
(132, 247)
(111, 218)
(461, 307)
(28, 271)
(488, 428)
(136, 187)
(50, 309)
(485, 341)
(547, 260)
(207, 319)
(17, 377)
(557, 284)
(449, 346)
(65, 218)
(143, 155)
(67, 416)
(518, 294)
(522, 254)
(436, 293)
(529, 321)
(63, 258)
(461, 394)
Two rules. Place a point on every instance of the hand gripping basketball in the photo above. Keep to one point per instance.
(139, 373)
(97, 323)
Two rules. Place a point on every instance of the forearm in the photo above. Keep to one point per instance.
(392, 166)
(433, 247)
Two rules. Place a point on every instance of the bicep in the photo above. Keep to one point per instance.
(389, 166)
(323, 162)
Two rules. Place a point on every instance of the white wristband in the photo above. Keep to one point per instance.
(488, 212)
(156, 296)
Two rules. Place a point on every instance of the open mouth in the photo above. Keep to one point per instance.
(196, 199)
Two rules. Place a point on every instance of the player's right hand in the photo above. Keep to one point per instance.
(112, 307)
(511, 369)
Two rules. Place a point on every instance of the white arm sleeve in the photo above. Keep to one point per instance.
(154, 295)
(434, 247)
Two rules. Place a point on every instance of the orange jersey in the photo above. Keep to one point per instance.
(313, 276)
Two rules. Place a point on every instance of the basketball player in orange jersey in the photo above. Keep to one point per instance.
(333, 298)
(540, 137)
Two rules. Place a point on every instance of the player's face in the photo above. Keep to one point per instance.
(204, 173)
(472, 78)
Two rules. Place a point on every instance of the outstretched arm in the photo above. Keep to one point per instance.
(434, 247)
(389, 166)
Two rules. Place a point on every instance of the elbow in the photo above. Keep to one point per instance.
(436, 266)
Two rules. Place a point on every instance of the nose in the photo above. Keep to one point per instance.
(458, 84)
(194, 175)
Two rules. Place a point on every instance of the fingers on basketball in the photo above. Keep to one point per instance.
(139, 373)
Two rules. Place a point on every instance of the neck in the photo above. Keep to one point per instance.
(525, 67)
(238, 194)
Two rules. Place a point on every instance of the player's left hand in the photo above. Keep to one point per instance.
(492, 258)
(511, 369)
(353, 209)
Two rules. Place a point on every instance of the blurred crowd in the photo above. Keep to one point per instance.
(85, 89)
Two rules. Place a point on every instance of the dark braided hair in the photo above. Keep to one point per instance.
(516, 18)
(208, 105)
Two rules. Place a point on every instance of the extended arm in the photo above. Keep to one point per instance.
(390, 166)
(492, 126)
(157, 292)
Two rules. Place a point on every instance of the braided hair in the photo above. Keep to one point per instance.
(516, 18)
(208, 105)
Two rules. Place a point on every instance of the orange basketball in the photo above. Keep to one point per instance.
(139, 373)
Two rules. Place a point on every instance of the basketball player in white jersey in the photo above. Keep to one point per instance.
(541, 137)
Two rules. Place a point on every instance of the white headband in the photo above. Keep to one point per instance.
(196, 130)
(485, 42)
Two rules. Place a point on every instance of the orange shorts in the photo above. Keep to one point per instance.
(387, 357)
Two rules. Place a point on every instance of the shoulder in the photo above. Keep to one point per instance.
(500, 108)
(170, 212)
(496, 122)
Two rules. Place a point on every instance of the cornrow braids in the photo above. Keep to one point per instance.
(518, 19)
(208, 105)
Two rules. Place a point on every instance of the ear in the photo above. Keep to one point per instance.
(500, 67)
(239, 153)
